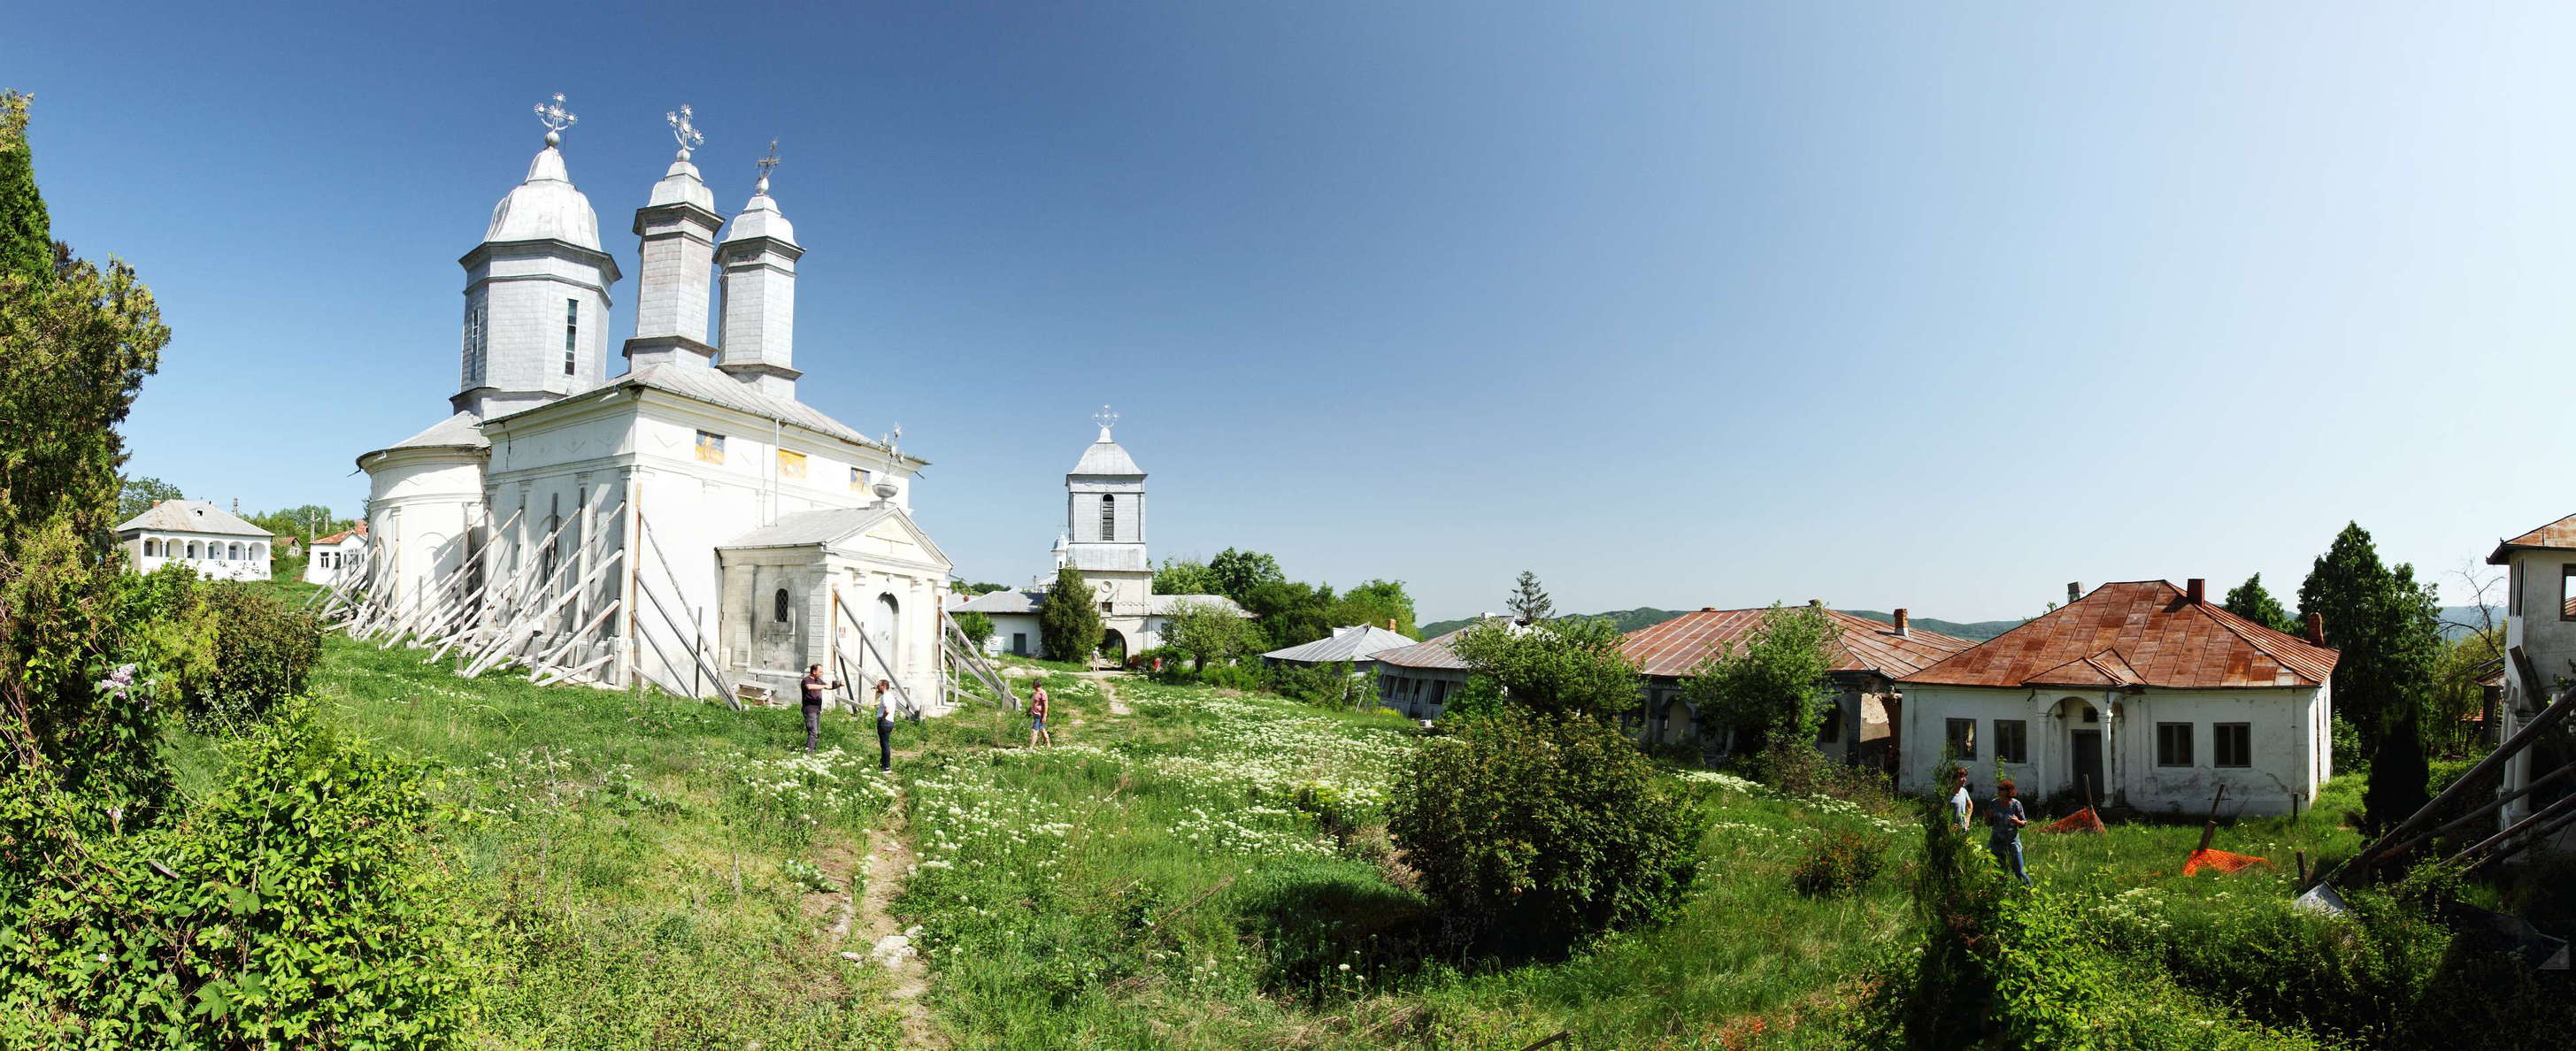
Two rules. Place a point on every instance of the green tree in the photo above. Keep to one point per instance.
(1376, 602)
(26, 233)
(2388, 628)
(1291, 613)
(1207, 631)
(1237, 573)
(2250, 601)
(977, 627)
(981, 589)
(1558, 667)
(306, 520)
(1069, 620)
(1185, 576)
(1529, 602)
(1539, 832)
(137, 495)
(75, 345)
(1774, 689)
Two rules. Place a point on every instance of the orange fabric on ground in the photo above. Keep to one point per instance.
(2220, 860)
(2080, 821)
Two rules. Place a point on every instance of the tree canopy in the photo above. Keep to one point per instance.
(1069, 620)
(1208, 631)
(2389, 630)
(1773, 689)
(1529, 602)
(1186, 576)
(2251, 601)
(137, 495)
(1237, 573)
(26, 233)
(1558, 667)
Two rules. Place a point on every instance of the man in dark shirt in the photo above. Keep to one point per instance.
(813, 688)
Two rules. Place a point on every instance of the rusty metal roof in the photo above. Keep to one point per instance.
(2137, 633)
(1675, 647)
(2560, 535)
(1429, 653)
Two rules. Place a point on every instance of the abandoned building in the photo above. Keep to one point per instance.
(2149, 693)
(1868, 657)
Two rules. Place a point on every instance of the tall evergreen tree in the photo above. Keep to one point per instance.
(26, 234)
(2389, 630)
(1529, 602)
(2251, 601)
(1069, 621)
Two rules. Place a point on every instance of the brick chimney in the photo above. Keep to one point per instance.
(1904, 624)
(2074, 591)
(1390, 623)
(2197, 589)
(2317, 629)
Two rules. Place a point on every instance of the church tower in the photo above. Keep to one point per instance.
(536, 292)
(759, 259)
(678, 225)
(1105, 515)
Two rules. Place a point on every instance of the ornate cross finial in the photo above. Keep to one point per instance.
(683, 130)
(885, 487)
(1106, 419)
(766, 163)
(555, 118)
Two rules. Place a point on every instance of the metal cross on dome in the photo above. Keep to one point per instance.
(684, 130)
(556, 118)
(766, 163)
(1105, 418)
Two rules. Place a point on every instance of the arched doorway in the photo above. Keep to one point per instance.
(1114, 646)
(2084, 747)
(885, 632)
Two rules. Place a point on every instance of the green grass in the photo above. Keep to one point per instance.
(1163, 879)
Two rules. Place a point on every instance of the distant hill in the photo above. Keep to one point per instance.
(1648, 616)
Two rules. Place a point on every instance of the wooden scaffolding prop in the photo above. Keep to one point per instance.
(856, 675)
(2532, 830)
(560, 619)
(964, 662)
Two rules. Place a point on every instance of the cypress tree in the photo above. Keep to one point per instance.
(1068, 623)
(26, 234)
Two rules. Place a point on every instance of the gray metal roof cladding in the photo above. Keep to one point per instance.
(812, 527)
(191, 516)
(1107, 458)
(1358, 642)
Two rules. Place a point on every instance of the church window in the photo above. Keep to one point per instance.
(791, 464)
(778, 606)
(710, 447)
(474, 345)
(572, 332)
(1108, 517)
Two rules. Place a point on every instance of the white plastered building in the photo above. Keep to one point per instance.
(2150, 692)
(690, 522)
(337, 556)
(214, 542)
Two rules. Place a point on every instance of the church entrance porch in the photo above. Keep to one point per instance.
(1113, 647)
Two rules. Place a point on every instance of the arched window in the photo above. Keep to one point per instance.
(778, 606)
(1108, 517)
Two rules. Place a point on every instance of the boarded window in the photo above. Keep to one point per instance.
(710, 447)
(1961, 737)
(791, 464)
(2173, 744)
(2231, 744)
(2012, 740)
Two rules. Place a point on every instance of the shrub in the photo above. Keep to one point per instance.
(1538, 833)
(1838, 863)
(2346, 747)
(1324, 685)
(264, 651)
(1233, 677)
(293, 908)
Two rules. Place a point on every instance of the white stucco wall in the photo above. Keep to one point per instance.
(215, 559)
(2288, 738)
(328, 563)
(421, 506)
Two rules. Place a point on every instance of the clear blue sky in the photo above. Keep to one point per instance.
(1928, 305)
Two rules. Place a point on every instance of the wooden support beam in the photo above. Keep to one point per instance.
(2377, 851)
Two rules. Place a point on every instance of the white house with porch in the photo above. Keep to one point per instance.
(2149, 692)
(216, 543)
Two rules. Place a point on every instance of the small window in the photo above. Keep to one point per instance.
(1108, 517)
(2173, 744)
(778, 606)
(2231, 744)
(2566, 594)
(858, 479)
(1961, 735)
(2012, 740)
(2513, 589)
(1107, 607)
(791, 464)
(710, 447)
(572, 333)
(151, 547)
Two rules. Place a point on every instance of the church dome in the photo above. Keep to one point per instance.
(761, 218)
(1106, 457)
(546, 207)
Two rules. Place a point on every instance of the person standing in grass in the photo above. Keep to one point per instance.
(1959, 802)
(813, 687)
(2006, 818)
(1037, 717)
(885, 731)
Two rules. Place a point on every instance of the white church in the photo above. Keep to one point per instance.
(1104, 541)
(687, 522)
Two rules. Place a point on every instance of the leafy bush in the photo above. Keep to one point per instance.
(1233, 677)
(2346, 747)
(1538, 833)
(1323, 685)
(264, 653)
(1838, 863)
(977, 627)
(293, 907)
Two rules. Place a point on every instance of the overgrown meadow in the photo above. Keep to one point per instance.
(1210, 869)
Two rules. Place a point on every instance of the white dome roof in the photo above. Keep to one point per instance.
(761, 218)
(546, 207)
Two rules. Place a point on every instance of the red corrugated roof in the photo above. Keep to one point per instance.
(359, 529)
(2137, 633)
(2560, 534)
(1676, 646)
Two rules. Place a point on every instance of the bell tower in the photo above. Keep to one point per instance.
(536, 291)
(678, 226)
